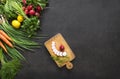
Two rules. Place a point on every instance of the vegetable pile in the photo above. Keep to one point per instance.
(19, 21)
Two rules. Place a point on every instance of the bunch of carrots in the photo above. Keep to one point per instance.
(6, 39)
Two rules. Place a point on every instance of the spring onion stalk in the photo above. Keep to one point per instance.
(19, 37)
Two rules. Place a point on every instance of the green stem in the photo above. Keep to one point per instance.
(2, 57)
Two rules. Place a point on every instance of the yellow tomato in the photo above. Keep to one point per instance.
(20, 18)
(16, 24)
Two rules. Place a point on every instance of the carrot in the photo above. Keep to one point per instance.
(5, 35)
(6, 41)
(1, 45)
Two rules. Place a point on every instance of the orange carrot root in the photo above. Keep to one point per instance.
(2, 46)
(5, 35)
(5, 40)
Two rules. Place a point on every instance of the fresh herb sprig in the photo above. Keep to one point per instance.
(60, 60)
(9, 68)
(30, 26)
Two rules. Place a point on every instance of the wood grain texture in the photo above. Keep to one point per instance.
(59, 39)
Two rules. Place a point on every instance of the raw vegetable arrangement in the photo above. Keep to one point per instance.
(19, 21)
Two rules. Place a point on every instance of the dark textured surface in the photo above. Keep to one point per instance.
(91, 28)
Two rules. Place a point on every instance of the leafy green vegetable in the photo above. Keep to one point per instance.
(10, 69)
(19, 38)
(1, 9)
(31, 25)
(60, 60)
(11, 9)
(2, 1)
(42, 3)
(17, 6)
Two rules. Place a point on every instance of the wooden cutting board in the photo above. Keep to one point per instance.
(60, 60)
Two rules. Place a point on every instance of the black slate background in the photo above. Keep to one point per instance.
(91, 28)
